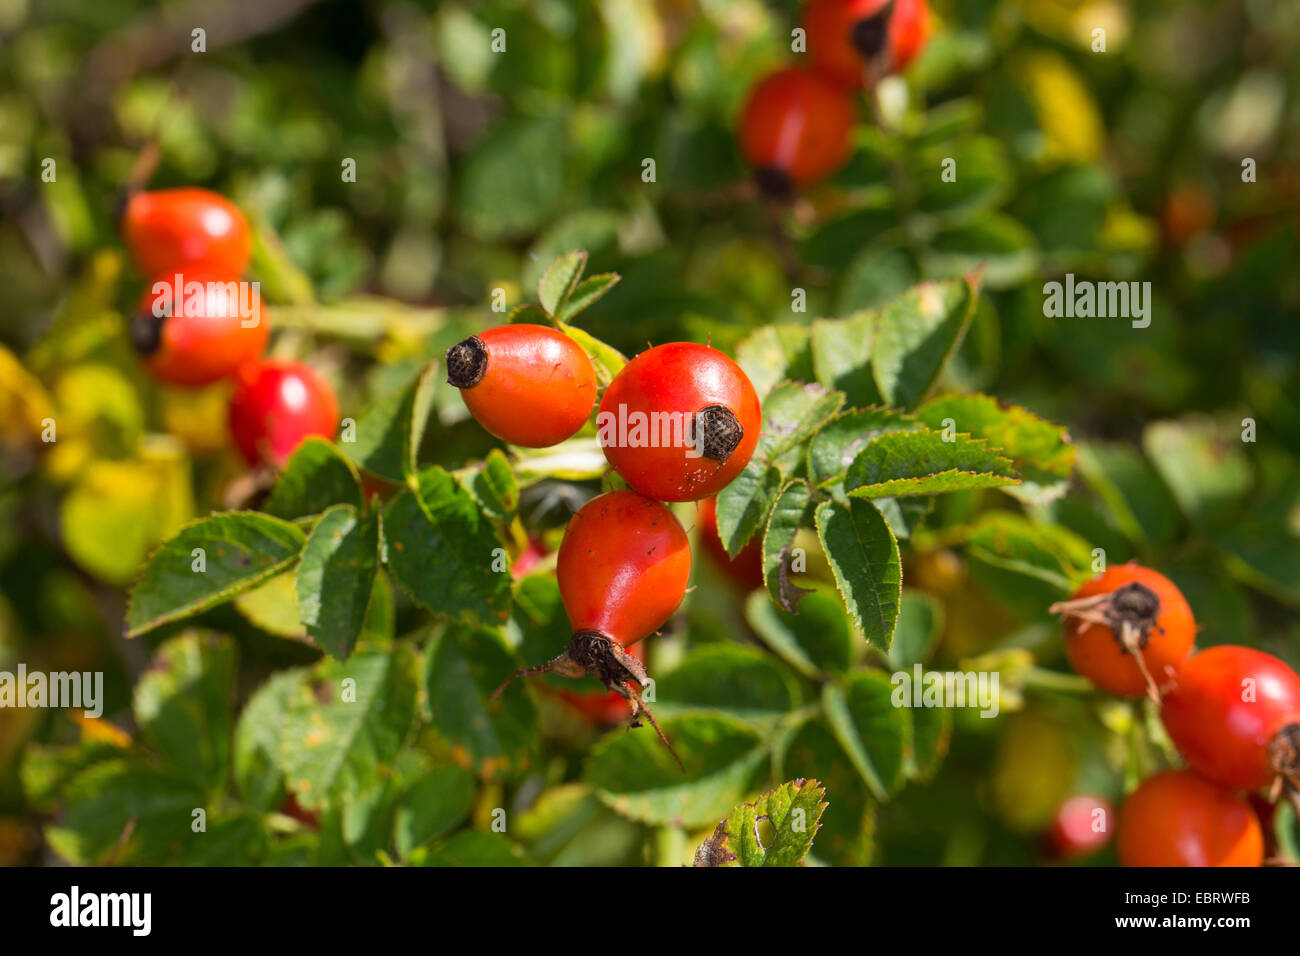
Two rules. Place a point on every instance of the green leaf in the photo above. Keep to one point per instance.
(116, 812)
(740, 681)
(789, 818)
(774, 353)
(336, 578)
(207, 564)
(918, 333)
(841, 355)
(1203, 462)
(432, 805)
(836, 444)
(345, 727)
(1138, 501)
(262, 726)
(1049, 553)
(872, 731)
(923, 463)
(464, 668)
(634, 774)
(569, 826)
(499, 195)
(929, 733)
(494, 487)
(1261, 552)
(607, 360)
(183, 704)
(863, 555)
(920, 622)
(783, 524)
(815, 642)
(441, 548)
(1000, 247)
(792, 413)
(388, 435)
(1040, 450)
(316, 476)
(744, 504)
(273, 606)
(586, 294)
(473, 848)
(559, 279)
(848, 824)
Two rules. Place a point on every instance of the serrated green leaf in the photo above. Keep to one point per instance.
(586, 294)
(316, 476)
(839, 441)
(929, 733)
(559, 279)
(923, 463)
(634, 774)
(441, 549)
(863, 555)
(336, 578)
(1040, 450)
(183, 706)
(783, 524)
(918, 333)
(841, 355)
(817, 641)
(792, 413)
(345, 727)
(464, 668)
(239, 550)
(789, 816)
(872, 731)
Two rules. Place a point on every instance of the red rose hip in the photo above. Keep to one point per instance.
(796, 129)
(275, 405)
(170, 230)
(679, 422)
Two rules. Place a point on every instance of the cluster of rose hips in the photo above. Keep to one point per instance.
(199, 324)
(677, 423)
(797, 126)
(1232, 712)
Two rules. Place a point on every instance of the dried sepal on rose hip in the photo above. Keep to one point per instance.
(679, 422)
(1234, 714)
(529, 385)
(623, 568)
(1127, 630)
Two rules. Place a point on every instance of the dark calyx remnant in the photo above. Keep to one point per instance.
(146, 332)
(717, 432)
(870, 33)
(774, 183)
(1136, 605)
(593, 654)
(466, 362)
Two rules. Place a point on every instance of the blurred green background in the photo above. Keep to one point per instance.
(474, 169)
